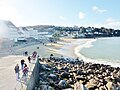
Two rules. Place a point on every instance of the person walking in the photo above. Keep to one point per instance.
(17, 72)
(22, 64)
(34, 54)
(25, 70)
(29, 59)
(25, 74)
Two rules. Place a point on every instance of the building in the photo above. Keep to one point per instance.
(23, 34)
(33, 33)
(40, 34)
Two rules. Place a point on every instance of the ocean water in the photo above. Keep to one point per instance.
(104, 50)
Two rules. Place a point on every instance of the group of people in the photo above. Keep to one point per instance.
(24, 67)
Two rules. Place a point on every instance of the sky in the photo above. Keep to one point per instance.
(94, 13)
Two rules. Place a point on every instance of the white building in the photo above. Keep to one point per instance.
(39, 34)
(23, 33)
(33, 33)
(10, 31)
(44, 34)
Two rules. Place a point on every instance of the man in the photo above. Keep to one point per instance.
(17, 72)
(29, 59)
(22, 63)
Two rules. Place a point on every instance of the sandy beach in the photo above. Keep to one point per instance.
(71, 47)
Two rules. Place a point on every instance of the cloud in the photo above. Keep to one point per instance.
(110, 19)
(97, 9)
(111, 22)
(108, 23)
(62, 17)
(81, 15)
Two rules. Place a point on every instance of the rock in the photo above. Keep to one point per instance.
(92, 84)
(45, 68)
(66, 68)
(118, 88)
(70, 81)
(79, 72)
(45, 87)
(65, 75)
(97, 76)
(79, 78)
(102, 88)
(36, 88)
(62, 83)
(43, 83)
(90, 71)
(52, 76)
(78, 86)
(71, 71)
(93, 81)
(117, 80)
(110, 86)
(54, 69)
(68, 89)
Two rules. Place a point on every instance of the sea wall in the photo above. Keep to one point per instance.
(34, 78)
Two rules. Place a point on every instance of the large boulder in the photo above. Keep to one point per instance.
(43, 83)
(111, 86)
(62, 83)
(117, 80)
(45, 87)
(92, 84)
(70, 81)
(79, 72)
(68, 89)
(45, 68)
(80, 78)
(65, 75)
(78, 86)
(52, 76)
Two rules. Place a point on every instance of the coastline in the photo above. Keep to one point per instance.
(72, 50)
(88, 44)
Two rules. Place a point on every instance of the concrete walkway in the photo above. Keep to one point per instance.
(7, 74)
(22, 83)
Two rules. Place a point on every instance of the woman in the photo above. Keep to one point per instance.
(25, 70)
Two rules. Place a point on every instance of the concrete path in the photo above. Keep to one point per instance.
(7, 74)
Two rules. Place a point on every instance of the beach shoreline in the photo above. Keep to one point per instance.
(89, 44)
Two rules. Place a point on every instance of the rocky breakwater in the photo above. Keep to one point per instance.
(62, 74)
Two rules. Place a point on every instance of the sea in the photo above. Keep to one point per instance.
(104, 51)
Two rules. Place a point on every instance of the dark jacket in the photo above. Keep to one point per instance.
(16, 69)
